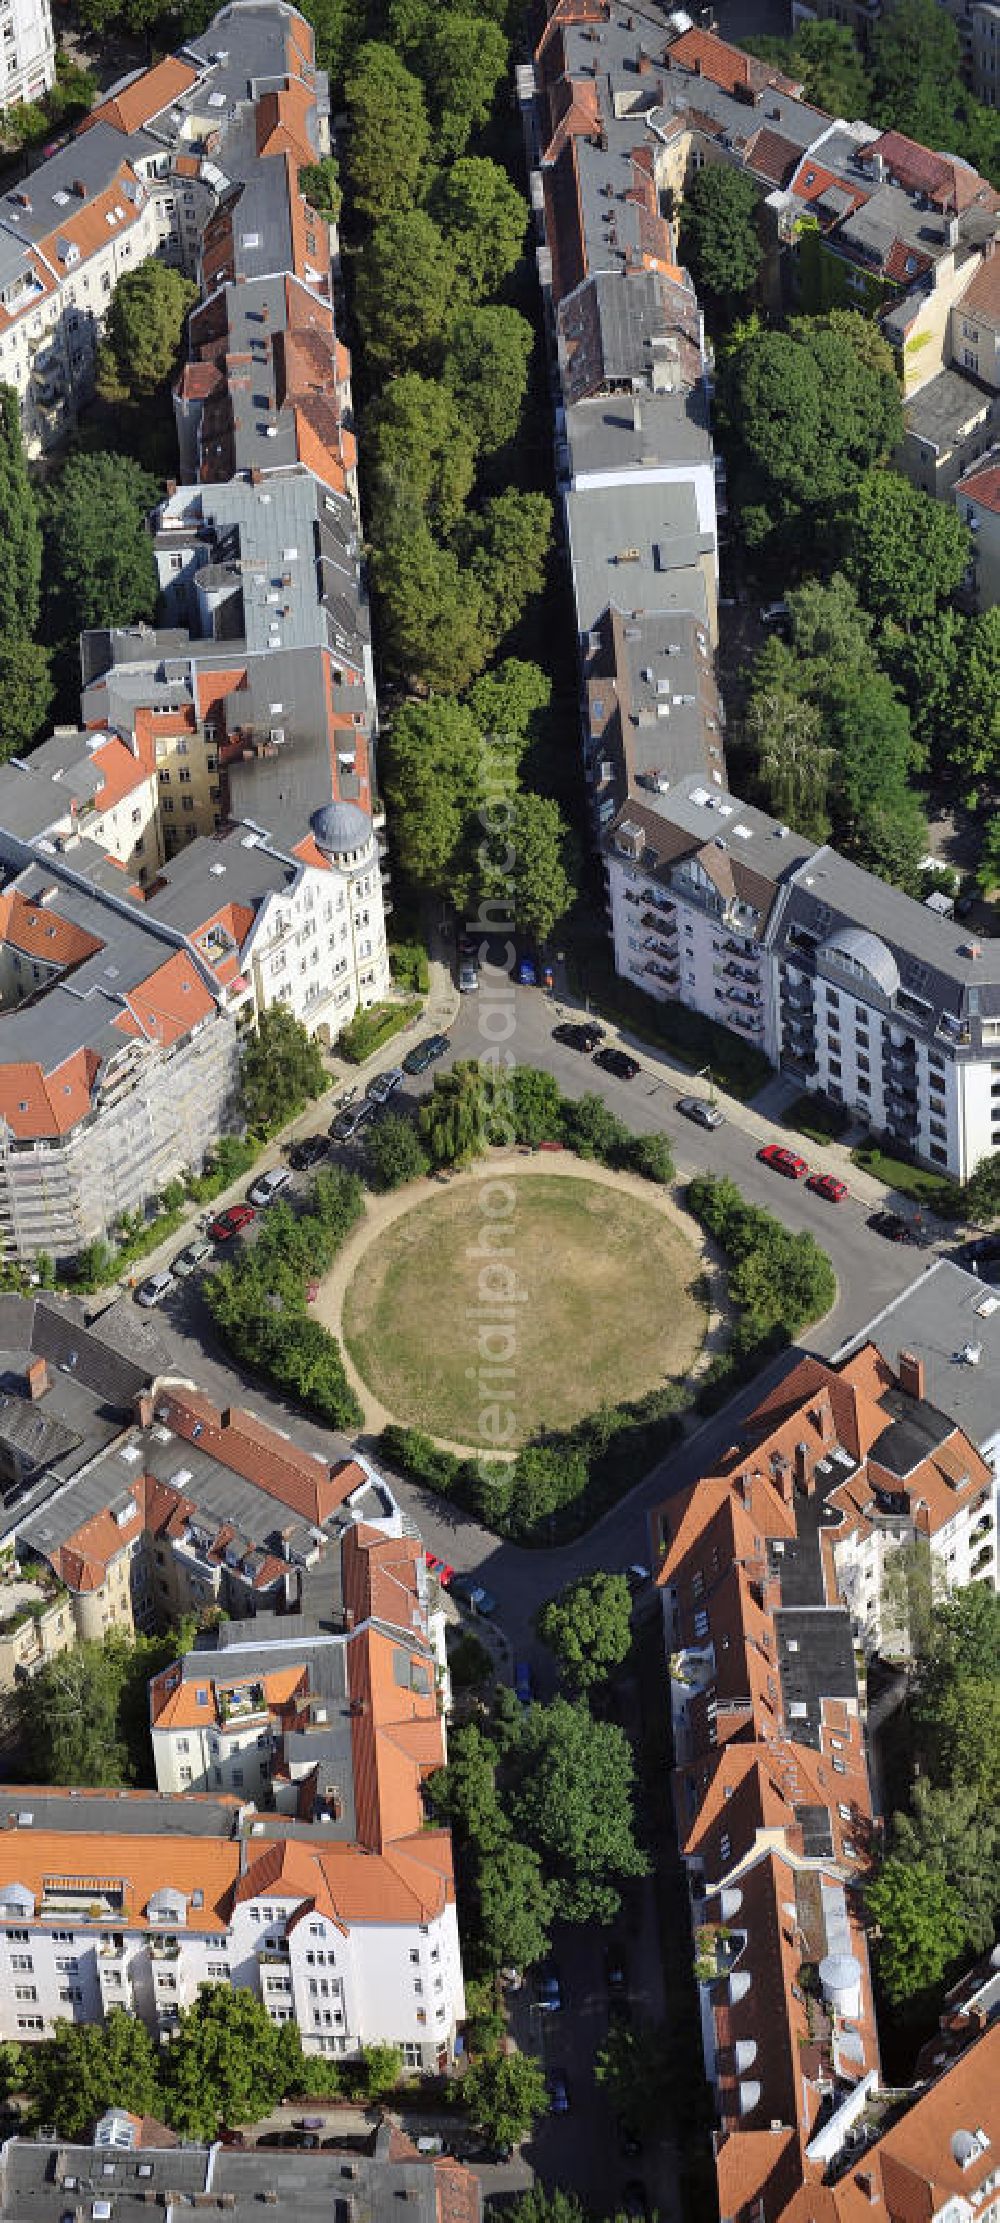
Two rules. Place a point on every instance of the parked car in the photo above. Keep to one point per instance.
(268, 1187)
(704, 1113)
(155, 1288)
(231, 1222)
(614, 1969)
(522, 1682)
(383, 1085)
(468, 976)
(425, 1053)
(827, 1185)
(637, 1576)
(780, 1160)
(188, 1261)
(473, 1594)
(308, 1153)
(440, 1568)
(350, 1121)
(894, 1228)
(558, 2092)
(586, 1037)
(549, 1988)
(526, 972)
(774, 613)
(619, 1063)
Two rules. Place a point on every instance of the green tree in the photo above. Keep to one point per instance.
(282, 1069)
(26, 693)
(514, 1906)
(20, 533)
(393, 1152)
(593, 1130)
(633, 2068)
(463, 61)
(422, 452)
(906, 552)
(222, 2063)
(535, 1102)
(143, 331)
(926, 665)
(405, 289)
(546, 2204)
(589, 1628)
(793, 762)
(719, 239)
(483, 219)
(505, 2094)
(509, 544)
(814, 414)
(454, 1123)
(70, 1731)
(826, 58)
(433, 612)
(869, 727)
(949, 1828)
(915, 64)
(383, 2065)
(651, 1157)
(571, 1799)
(911, 1588)
(434, 781)
(922, 1925)
(388, 141)
(973, 756)
(99, 557)
(509, 701)
(485, 369)
(536, 856)
(85, 2068)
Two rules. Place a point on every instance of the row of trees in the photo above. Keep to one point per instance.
(227, 2063)
(260, 1302)
(84, 1717)
(779, 1282)
(936, 1899)
(471, 1107)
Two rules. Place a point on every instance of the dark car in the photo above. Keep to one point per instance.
(350, 1121)
(619, 1063)
(425, 1053)
(614, 1968)
(522, 1682)
(892, 1227)
(781, 1160)
(701, 1111)
(473, 1594)
(558, 2092)
(308, 1153)
(586, 1037)
(549, 1988)
(231, 1221)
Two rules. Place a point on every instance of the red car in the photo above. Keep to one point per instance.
(230, 1221)
(440, 1568)
(783, 1161)
(827, 1184)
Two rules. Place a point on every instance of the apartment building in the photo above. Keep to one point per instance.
(28, 50)
(977, 499)
(133, 2160)
(773, 1574)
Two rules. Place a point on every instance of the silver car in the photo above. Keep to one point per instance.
(701, 1111)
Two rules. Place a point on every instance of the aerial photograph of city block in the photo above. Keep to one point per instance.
(500, 1110)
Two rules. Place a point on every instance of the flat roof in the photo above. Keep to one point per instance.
(945, 1313)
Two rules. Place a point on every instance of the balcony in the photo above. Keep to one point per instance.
(715, 1950)
(657, 970)
(982, 1560)
(274, 1955)
(165, 1949)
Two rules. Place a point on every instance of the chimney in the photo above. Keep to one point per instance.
(803, 1470)
(348, 1618)
(865, 2181)
(781, 1476)
(911, 1374)
(143, 1408)
(822, 1417)
(36, 1378)
(226, 1417)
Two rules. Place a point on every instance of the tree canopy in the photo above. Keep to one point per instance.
(485, 369)
(222, 2063)
(406, 287)
(20, 533)
(588, 1627)
(388, 141)
(922, 1925)
(544, 860)
(906, 552)
(422, 452)
(719, 239)
(505, 2094)
(434, 781)
(99, 562)
(85, 2068)
(283, 1068)
(814, 413)
(433, 611)
(483, 219)
(571, 1798)
(143, 331)
(463, 60)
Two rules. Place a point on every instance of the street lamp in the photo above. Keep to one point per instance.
(705, 1074)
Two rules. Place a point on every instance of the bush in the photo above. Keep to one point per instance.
(369, 1030)
(394, 1153)
(779, 1282)
(410, 968)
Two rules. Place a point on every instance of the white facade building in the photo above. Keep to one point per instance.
(28, 50)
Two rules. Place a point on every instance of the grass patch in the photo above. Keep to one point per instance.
(607, 1307)
(815, 1117)
(369, 1030)
(686, 1035)
(917, 1182)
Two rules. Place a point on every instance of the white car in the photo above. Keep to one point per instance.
(154, 1288)
(385, 1085)
(268, 1187)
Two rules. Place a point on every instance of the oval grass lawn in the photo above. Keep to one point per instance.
(547, 1296)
